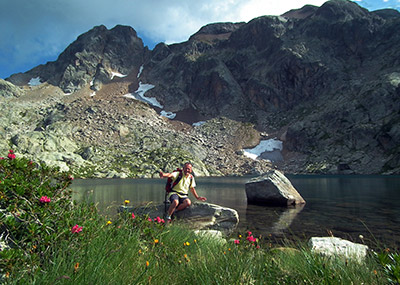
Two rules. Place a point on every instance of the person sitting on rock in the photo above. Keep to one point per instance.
(179, 193)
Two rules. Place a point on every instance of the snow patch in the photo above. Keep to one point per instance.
(169, 115)
(198, 124)
(140, 71)
(34, 81)
(265, 145)
(139, 95)
(113, 74)
(93, 93)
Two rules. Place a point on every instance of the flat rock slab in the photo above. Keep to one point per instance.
(200, 216)
(274, 189)
(333, 246)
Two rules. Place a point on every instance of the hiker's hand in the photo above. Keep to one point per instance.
(161, 174)
(202, 198)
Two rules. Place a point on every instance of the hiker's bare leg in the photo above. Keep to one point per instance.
(186, 203)
(172, 207)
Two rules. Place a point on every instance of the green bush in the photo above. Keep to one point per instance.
(35, 206)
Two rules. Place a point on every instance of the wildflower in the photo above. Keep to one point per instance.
(76, 267)
(158, 220)
(10, 151)
(149, 219)
(186, 243)
(236, 241)
(251, 239)
(44, 199)
(195, 241)
(109, 223)
(1, 158)
(156, 241)
(140, 251)
(147, 263)
(249, 233)
(375, 272)
(133, 216)
(240, 236)
(361, 236)
(76, 229)
(127, 202)
(11, 156)
(70, 177)
(229, 249)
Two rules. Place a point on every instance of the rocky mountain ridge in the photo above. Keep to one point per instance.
(325, 80)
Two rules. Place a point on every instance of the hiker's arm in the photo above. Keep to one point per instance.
(164, 175)
(197, 196)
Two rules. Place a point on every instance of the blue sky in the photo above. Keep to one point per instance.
(34, 32)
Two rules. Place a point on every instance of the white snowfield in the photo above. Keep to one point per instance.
(265, 145)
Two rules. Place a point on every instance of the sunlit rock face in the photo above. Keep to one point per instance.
(273, 189)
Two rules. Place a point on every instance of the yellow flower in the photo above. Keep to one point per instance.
(195, 241)
(240, 236)
(187, 243)
(185, 255)
(140, 251)
(147, 263)
(156, 241)
(127, 202)
(109, 223)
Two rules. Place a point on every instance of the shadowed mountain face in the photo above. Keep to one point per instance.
(325, 80)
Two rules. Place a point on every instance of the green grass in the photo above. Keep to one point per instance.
(118, 253)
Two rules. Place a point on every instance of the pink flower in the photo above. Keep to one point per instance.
(11, 156)
(76, 229)
(249, 233)
(236, 241)
(133, 216)
(1, 158)
(251, 239)
(149, 219)
(10, 151)
(45, 199)
(158, 220)
(162, 221)
(70, 177)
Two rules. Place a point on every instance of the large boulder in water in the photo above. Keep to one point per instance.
(200, 216)
(272, 188)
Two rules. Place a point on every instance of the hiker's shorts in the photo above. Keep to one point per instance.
(176, 197)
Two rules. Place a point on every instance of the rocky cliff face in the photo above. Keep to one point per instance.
(325, 80)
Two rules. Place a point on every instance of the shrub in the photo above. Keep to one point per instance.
(34, 205)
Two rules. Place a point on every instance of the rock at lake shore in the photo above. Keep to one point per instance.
(272, 188)
(200, 216)
(333, 246)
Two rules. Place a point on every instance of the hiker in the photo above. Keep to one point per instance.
(180, 189)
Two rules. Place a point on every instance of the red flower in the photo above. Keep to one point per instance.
(11, 156)
(45, 199)
(10, 151)
(133, 216)
(236, 241)
(251, 239)
(76, 229)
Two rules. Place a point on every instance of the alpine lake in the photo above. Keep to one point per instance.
(359, 208)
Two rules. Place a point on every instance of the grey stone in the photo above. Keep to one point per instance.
(272, 188)
(200, 216)
(337, 247)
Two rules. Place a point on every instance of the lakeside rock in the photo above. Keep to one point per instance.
(200, 216)
(272, 188)
(337, 247)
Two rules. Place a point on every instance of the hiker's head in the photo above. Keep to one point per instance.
(187, 168)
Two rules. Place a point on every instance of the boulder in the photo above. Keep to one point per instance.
(200, 216)
(337, 247)
(272, 188)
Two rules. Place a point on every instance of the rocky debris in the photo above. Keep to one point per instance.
(272, 188)
(9, 90)
(200, 216)
(339, 248)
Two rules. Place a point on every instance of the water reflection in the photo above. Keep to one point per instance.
(346, 205)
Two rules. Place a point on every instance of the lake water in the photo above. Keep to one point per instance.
(346, 206)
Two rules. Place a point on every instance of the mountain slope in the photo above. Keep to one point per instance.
(325, 80)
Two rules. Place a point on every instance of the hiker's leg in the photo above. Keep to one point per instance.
(174, 199)
(186, 203)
